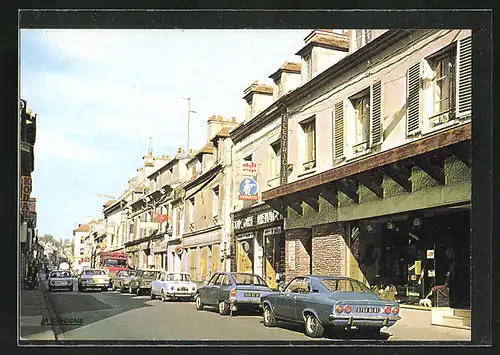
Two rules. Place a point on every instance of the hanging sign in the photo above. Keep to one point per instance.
(249, 168)
(248, 190)
(178, 249)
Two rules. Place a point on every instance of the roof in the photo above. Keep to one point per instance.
(257, 88)
(319, 38)
(287, 67)
(83, 228)
(207, 149)
(108, 203)
(223, 133)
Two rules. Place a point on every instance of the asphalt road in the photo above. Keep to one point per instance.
(113, 315)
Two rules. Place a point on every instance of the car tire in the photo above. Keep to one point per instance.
(114, 287)
(130, 290)
(138, 291)
(199, 304)
(163, 296)
(122, 289)
(223, 308)
(313, 327)
(269, 318)
(153, 296)
(104, 289)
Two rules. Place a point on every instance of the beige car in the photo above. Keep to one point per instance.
(93, 279)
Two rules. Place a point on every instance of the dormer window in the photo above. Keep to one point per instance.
(363, 37)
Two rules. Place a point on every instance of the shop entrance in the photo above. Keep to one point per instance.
(272, 249)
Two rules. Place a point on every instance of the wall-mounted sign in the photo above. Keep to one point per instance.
(31, 219)
(249, 168)
(257, 220)
(178, 249)
(430, 254)
(248, 189)
(272, 231)
(32, 202)
(245, 236)
(160, 218)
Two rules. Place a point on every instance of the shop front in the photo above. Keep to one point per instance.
(201, 253)
(160, 254)
(259, 243)
(132, 250)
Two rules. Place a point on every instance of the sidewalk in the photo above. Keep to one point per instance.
(34, 309)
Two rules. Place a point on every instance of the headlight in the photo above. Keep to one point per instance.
(172, 288)
(194, 288)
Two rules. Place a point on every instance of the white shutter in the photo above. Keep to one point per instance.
(464, 77)
(338, 130)
(413, 100)
(376, 113)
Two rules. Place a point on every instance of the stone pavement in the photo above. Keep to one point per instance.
(33, 310)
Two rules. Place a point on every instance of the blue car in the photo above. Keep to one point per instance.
(320, 302)
(231, 292)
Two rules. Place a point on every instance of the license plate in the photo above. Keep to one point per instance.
(367, 310)
(251, 294)
(182, 289)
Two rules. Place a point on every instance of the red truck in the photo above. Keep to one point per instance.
(112, 262)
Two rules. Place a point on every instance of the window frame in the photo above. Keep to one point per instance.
(356, 99)
(308, 164)
(275, 159)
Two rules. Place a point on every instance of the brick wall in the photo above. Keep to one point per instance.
(329, 253)
(301, 265)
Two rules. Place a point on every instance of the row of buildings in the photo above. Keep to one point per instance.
(355, 162)
(28, 247)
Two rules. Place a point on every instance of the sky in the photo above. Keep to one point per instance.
(100, 94)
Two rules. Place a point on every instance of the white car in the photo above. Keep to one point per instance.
(60, 279)
(173, 285)
(93, 278)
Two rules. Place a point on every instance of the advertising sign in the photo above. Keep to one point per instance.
(249, 168)
(248, 189)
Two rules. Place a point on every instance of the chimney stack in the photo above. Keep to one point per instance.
(233, 119)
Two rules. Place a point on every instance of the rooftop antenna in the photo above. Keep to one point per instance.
(189, 123)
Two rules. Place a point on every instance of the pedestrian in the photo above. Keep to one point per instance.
(34, 276)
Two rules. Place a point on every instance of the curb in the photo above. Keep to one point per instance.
(50, 310)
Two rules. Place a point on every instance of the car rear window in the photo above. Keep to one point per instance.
(56, 274)
(178, 277)
(345, 285)
(248, 279)
(127, 273)
(94, 272)
(150, 274)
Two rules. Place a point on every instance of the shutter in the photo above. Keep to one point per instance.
(464, 97)
(413, 100)
(338, 130)
(376, 106)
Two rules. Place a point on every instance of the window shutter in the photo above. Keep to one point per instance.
(413, 100)
(338, 130)
(464, 95)
(376, 107)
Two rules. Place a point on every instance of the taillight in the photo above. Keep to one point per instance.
(395, 310)
(387, 310)
(347, 309)
(232, 295)
(339, 309)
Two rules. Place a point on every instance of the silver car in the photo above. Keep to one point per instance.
(122, 280)
(173, 285)
(60, 279)
(93, 278)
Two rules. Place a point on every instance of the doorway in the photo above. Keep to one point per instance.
(272, 251)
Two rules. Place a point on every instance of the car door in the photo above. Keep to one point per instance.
(303, 298)
(205, 291)
(285, 301)
(213, 292)
(156, 284)
(222, 285)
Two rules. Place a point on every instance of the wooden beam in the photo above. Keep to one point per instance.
(278, 206)
(462, 152)
(311, 198)
(330, 194)
(294, 205)
(402, 179)
(436, 141)
(373, 181)
(434, 171)
(349, 187)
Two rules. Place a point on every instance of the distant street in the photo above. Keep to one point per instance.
(113, 315)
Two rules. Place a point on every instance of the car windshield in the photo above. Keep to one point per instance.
(150, 274)
(55, 274)
(178, 277)
(345, 285)
(94, 272)
(115, 262)
(248, 279)
(128, 273)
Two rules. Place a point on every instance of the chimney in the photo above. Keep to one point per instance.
(323, 48)
(258, 97)
(233, 119)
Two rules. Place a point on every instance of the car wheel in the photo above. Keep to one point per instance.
(199, 304)
(130, 290)
(223, 308)
(114, 287)
(122, 289)
(269, 318)
(163, 296)
(153, 296)
(314, 329)
(104, 289)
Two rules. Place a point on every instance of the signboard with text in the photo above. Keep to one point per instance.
(248, 190)
(249, 168)
(26, 188)
(256, 220)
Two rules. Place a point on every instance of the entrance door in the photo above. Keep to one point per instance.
(272, 252)
(245, 255)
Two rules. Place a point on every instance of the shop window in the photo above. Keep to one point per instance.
(309, 143)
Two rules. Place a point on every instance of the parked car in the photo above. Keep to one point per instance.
(232, 291)
(141, 282)
(173, 285)
(93, 278)
(60, 279)
(327, 301)
(122, 280)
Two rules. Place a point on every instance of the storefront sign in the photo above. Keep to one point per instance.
(245, 236)
(248, 189)
(291, 255)
(257, 219)
(201, 239)
(26, 188)
(160, 218)
(249, 168)
(430, 254)
(284, 149)
(132, 249)
(243, 223)
(272, 231)
(268, 217)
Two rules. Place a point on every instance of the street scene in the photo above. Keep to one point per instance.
(328, 198)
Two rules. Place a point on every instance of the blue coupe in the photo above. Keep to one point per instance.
(232, 291)
(328, 301)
